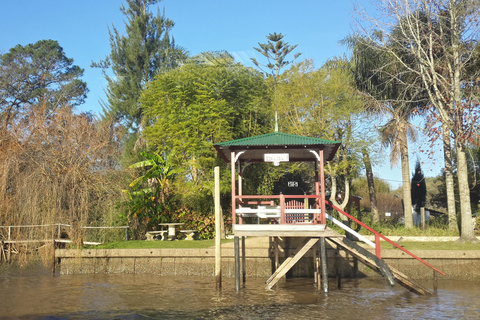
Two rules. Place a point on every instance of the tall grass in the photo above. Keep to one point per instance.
(57, 168)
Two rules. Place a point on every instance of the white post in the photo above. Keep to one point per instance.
(218, 226)
(422, 218)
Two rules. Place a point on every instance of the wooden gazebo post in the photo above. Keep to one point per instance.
(323, 214)
(236, 243)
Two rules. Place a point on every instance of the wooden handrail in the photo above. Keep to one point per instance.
(378, 235)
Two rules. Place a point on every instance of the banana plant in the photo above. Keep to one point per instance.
(150, 198)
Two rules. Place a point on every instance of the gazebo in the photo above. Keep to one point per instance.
(277, 147)
(282, 215)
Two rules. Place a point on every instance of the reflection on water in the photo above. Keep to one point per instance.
(34, 293)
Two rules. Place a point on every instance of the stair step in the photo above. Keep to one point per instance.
(391, 274)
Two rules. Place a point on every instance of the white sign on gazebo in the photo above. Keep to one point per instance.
(276, 158)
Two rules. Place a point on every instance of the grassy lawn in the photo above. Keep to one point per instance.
(434, 246)
(142, 244)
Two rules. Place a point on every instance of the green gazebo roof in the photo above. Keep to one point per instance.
(298, 147)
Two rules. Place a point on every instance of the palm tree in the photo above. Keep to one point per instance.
(384, 84)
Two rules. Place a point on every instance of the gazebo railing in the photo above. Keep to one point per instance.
(284, 208)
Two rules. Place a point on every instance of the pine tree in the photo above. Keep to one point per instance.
(136, 57)
(38, 78)
(419, 188)
(275, 50)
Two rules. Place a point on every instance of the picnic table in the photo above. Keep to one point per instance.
(172, 234)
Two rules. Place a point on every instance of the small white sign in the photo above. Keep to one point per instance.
(387, 214)
(276, 158)
(292, 184)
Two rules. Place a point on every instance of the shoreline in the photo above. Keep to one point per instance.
(457, 264)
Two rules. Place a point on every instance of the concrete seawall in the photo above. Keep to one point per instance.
(457, 264)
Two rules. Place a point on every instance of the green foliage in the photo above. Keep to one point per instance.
(136, 58)
(275, 50)
(207, 100)
(360, 186)
(38, 77)
(193, 220)
(150, 198)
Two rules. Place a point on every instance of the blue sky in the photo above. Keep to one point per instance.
(81, 28)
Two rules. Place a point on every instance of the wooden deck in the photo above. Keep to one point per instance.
(283, 230)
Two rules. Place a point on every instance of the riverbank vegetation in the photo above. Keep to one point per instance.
(149, 157)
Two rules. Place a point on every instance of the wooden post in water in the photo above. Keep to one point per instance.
(337, 268)
(237, 262)
(218, 221)
(316, 265)
(244, 262)
(323, 258)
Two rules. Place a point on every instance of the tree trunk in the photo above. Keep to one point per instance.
(466, 230)
(447, 152)
(371, 185)
(407, 194)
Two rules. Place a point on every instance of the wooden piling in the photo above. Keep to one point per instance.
(218, 221)
(323, 260)
(237, 262)
(338, 273)
(316, 264)
(244, 262)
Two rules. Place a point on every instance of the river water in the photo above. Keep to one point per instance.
(33, 293)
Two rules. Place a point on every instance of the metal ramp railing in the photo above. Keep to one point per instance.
(367, 257)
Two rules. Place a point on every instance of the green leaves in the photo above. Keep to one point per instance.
(38, 77)
(150, 198)
(136, 57)
(277, 50)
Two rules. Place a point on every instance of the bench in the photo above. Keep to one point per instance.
(190, 234)
(273, 213)
(151, 234)
(261, 212)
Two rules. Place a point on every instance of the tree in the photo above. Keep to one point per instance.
(277, 51)
(385, 85)
(440, 37)
(372, 193)
(38, 79)
(207, 100)
(150, 197)
(419, 188)
(58, 169)
(323, 103)
(136, 57)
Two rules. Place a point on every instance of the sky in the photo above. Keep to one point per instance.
(81, 28)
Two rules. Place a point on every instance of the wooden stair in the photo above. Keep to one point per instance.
(391, 274)
(291, 261)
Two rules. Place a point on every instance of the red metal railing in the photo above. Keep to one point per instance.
(379, 236)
